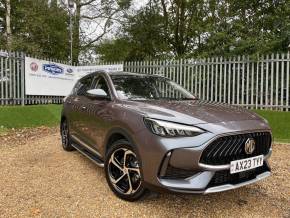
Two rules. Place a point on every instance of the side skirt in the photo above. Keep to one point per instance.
(93, 156)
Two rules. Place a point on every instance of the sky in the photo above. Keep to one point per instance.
(139, 3)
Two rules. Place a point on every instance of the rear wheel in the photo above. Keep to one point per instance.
(123, 171)
(65, 136)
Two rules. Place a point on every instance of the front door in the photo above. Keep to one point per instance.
(98, 115)
(79, 101)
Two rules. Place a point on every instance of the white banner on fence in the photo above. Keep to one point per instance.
(55, 79)
(84, 70)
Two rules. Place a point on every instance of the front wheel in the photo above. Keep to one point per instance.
(123, 171)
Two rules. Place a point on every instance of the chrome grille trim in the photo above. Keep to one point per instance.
(225, 149)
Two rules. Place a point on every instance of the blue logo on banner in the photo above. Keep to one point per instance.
(52, 69)
(69, 70)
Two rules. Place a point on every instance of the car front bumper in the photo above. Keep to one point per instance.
(200, 182)
(191, 185)
(158, 153)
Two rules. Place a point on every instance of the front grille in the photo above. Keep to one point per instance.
(177, 173)
(228, 148)
(224, 177)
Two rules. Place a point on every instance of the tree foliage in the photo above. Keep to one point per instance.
(113, 31)
(203, 28)
(93, 20)
(39, 28)
(2, 23)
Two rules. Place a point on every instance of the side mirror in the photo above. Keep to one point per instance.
(97, 93)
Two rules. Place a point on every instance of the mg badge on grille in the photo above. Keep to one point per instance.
(250, 146)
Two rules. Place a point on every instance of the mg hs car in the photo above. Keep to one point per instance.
(149, 133)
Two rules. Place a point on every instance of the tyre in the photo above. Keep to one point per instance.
(65, 137)
(123, 171)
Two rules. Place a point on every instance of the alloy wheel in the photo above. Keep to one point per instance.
(124, 171)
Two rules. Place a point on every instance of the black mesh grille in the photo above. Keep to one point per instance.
(176, 173)
(228, 148)
(224, 177)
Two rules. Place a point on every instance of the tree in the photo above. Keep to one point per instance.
(8, 24)
(2, 24)
(160, 29)
(38, 28)
(141, 39)
(183, 22)
(247, 27)
(204, 28)
(41, 27)
(115, 50)
(93, 19)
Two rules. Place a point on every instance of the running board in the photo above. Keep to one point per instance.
(88, 154)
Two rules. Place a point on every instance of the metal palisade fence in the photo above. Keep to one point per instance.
(12, 82)
(261, 83)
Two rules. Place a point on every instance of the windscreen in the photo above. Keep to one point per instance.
(148, 88)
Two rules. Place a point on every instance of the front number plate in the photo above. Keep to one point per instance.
(246, 164)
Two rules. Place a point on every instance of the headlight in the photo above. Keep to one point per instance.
(169, 129)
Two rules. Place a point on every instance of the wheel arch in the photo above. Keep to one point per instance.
(115, 135)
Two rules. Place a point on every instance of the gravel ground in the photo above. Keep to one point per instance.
(39, 179)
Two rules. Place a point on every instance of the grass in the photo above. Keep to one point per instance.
(29, 116)
(279, 122)
(49, 115)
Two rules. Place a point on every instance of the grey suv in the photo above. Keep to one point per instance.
(151, 134)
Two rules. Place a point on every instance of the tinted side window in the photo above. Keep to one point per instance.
(102, 84)
(83, 85)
